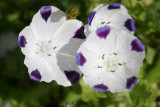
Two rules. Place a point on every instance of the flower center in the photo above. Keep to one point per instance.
(45, 48)
(110, 62)
(102, 24)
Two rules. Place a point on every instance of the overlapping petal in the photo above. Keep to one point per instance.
(50, 44)
(46, 22)
(114, 15)
(111, 63)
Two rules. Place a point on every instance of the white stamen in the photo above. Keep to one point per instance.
(45, 48)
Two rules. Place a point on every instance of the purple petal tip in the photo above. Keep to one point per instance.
(114, 6)
(80, 33)
(100, 88)
(72, 76)
(80, 59)
(103, 32)
(35, 75)
(91, 17)
(131, 82)
(129, 24)
(45, 12)
(137, 45)
(22, 41)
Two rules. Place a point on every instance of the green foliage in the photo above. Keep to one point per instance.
(18, 89)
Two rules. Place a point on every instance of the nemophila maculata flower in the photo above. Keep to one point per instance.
(110, 60)
(113, 15)
(50, 44)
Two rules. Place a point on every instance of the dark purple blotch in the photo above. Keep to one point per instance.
(101, 88)
(45, 12)
(91, 17)
(103, 32)
(72, 76)
(129, 24)
(35, 75)
(114, 6)
(137, 45)
(131, 82)
(80, 59)
(22, 41)
(80, 33)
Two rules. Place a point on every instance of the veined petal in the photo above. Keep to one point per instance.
(96, 82)
(131, 82)
(41, 69)
(69, 37)
(46, 22)
(133, 59)
(91, 16)
(27, 42)
(114, 15)
(66, 67)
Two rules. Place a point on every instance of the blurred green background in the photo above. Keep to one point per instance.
(18, 90)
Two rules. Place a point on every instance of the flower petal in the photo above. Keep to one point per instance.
(91, 17)
(22, 41)
(133, 60)
(114, 15)
(69, 37)
(80, 59)
(46, 12)
(114, 6)
(68, 67)
(131, 82)
(101, 88)
(35, 75)
(129, 24)
(27, 42)
(103, 32)
(48, 70)
(72, 76)
(137, 45)
(80, 33)
(46, 22)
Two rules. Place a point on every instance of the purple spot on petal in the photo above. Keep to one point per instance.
(101, 88)
(129, 24)
(80, 59)
(114, 6)
(91, 17)
(131, 82)
(103, 32)
(35, 75)
(72, 76)
(80, 33)
(137, 45)
(22, 41)
(45, 12)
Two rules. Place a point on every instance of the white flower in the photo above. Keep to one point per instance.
(114, 15)
(50, 44)
(110, 61)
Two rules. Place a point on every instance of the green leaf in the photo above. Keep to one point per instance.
(151, 52)
(143, 94)
(154, 72)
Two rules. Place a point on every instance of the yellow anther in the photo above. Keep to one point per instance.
(99, 26)
(43, 49)
(110, 64)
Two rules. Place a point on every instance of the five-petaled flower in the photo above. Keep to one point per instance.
(50, 44)
(110, 61)
(113, 15)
